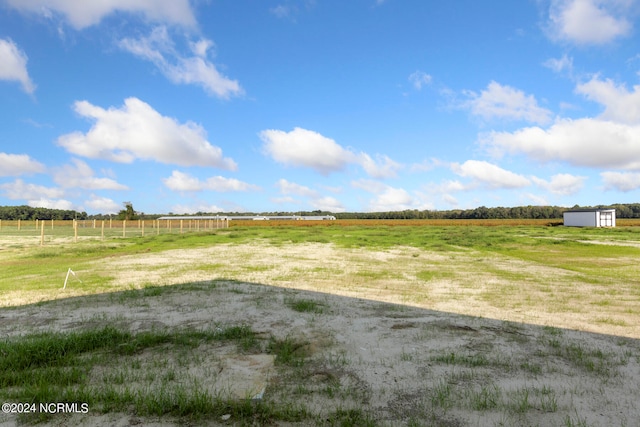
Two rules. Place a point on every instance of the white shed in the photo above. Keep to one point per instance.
(590, 218)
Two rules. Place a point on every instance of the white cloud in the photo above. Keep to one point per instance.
(390, 198)
(19, 190)
(82, 14)
(559, 65)
(287, 187)
(382, 167)
(80, 175)
(588, 21)
(327, 203)
(103, 205)
(582, 142)
(453, 186)
(18, 164)
(621, 181)
(188, 210)
(620, 104)
(536, 200)
(52, 204)
(306, 148)
(563, 184)
(450, 200)
(489, 174)
(370, 185)
(504, 102)
(419, 79)
(180, 69)
(281, 11)
(180, 181)
(291, 9)
(137, 131)
(426, 165)
(285, 199)
(13, 65)
(317, 200)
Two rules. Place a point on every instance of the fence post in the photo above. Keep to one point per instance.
(52, 223)
(18, 225)
(142, 228)
(102, 231)
(41, 233)
(75, 231)
(124, 228)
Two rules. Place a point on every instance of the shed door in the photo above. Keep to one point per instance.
(606, 219)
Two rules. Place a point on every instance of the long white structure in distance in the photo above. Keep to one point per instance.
(255, 217)
(590, 218)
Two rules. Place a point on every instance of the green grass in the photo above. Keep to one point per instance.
(59, 367)
(480, 264)
(288, 351)
(303, 305)
(556, 247)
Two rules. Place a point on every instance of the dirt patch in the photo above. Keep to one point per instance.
(404, 336)
(398, 363)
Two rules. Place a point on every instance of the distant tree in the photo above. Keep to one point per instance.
(127, 213)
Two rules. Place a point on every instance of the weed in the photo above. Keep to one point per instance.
(441, 395)
(486, 398)
(569, 421)
(305, 305)
(288, 351)
(350, 418)
(520, 401)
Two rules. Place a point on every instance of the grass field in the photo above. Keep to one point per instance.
(471, 325)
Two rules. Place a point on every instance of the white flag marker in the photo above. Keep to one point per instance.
(67, 278)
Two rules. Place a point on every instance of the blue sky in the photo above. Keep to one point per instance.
(281, 105)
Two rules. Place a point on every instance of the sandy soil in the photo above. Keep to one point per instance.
(390, 340)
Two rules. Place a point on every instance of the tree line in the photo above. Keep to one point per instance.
(27, 213)
(623, 210)
(630, 210)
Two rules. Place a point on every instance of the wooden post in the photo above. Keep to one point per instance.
(169, 222)
(102, 231)
(124, 228)
(181, 225)
(41, 233)
(157, 227)
(18, 225)
(36, 223)
(110, 223)
(94, 223)
(75, 231)
(142, 228)
(52, 223)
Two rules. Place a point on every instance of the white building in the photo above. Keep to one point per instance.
(590, 218)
